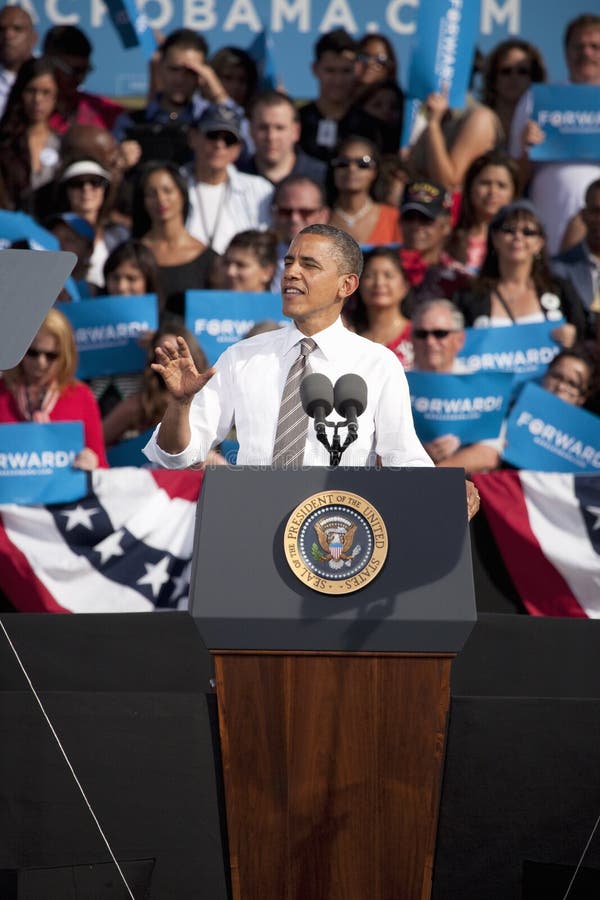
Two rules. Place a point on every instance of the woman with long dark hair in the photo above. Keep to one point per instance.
(160, 210)
(491, 182)
(509, 70)
(515, 285)
(28, 145)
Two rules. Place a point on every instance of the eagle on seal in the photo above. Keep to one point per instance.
(337, 547)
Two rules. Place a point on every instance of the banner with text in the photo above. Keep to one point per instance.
(525, 349)
(222, 318)
(569, 116)
(443, 50)
(36, 463)
(295, 26)
(109, 333)
(472, 407)
(546, 434)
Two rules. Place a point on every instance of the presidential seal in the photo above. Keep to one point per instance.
(335, 542)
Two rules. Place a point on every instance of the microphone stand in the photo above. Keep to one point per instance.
(336, 448)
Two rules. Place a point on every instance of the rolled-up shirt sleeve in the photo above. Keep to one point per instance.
(211, 418)
(397, 443)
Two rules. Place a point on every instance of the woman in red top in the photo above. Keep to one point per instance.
(376, 313)
(43, 388)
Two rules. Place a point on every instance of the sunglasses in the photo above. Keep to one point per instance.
(525, 230)
(51, 355)
(377, 59)
(227, 137)
(523, 71)
(421, 334)
(287, 212)
(93, 180)
(344, 162)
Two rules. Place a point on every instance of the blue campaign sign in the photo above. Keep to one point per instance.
(109, 333)
(472, 407)
(36, 463)
(569, 116)
(526, 349)
(444, 48)
(132, 25)
(129, 452)
(222, 318)
(295, 26)
(546, 434)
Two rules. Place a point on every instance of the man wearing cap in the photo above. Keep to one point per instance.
(425, 220)
(223, 201)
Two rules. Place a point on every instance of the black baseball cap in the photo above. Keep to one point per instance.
(426, 197)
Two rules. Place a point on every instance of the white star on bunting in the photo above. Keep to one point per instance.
(79, 516)
(110, 546)
(595, 511)
(156, 575)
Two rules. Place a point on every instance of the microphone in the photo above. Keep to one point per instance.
(350, 399)
(316, 396)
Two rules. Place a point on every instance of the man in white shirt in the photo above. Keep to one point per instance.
(557, 188)
(17, 40)
(223, 201)
(321, 270)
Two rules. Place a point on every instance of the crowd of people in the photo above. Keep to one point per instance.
(206, 183)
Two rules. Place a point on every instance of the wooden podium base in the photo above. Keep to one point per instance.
(332, 766)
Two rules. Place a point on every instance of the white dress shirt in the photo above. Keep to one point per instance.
(247, 389)
(7, 79)
(244, 204)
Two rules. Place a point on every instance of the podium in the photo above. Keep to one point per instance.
(332, 703)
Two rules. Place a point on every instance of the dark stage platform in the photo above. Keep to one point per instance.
(128, 697)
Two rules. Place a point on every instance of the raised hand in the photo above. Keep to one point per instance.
(178, 370)
(436, 105)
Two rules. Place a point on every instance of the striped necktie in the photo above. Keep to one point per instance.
(292, 423)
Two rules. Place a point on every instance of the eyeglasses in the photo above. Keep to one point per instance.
(362, 162)
(51, 355)
(80, 182)
(421, 334)
(227, 137)
(523, 71)
(73, 71)
(569, 386)
(375, 59)
(287, 212)
(525, 230)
